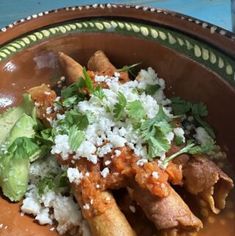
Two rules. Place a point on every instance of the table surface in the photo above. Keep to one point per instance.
(214, 11)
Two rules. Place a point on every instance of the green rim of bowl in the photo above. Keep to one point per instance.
(197, 50)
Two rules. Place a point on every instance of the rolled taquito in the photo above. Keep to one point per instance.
(203, 178)
(168, 213)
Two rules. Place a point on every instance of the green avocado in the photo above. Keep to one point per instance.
(17, 133)
(24, 127)
(8, 120)
(14, 177)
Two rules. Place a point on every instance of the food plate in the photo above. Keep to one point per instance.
(196, 59)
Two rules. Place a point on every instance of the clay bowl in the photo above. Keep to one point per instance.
(196, 58)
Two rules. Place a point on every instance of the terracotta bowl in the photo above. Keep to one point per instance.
(196, 59)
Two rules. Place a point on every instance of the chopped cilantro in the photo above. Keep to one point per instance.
(186, 149)
(76, 137)
(74, 117)
(205, 125)
(120, 106)
(98, 92)
(154, 132)
(180, 106)
(70, 101)
(74, 89)
(88, 81)
(198, 110)
(193, 149)
(151, 89)
(52, 182)
(129, 69)
(45, 135)
(23, 147)
(205, 148)
(45, 184)
(135, 110)
(178, 140)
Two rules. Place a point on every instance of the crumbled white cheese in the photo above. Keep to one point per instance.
(61, 146)
(93, 159)
(202, 136)
(155, 174)
(117, 153)
(47, 198)
(86, 149)
(31, 204)
(74, 175)
(117, 140)
(60, 116)
(103, 150)
(48, 110)
(180, 133)
(170, 137)
(108, 162)
(66, 213)
(150, 105)
(141, 162)
(104, 173)
(86, 206)
(43, 217)
(117, 74)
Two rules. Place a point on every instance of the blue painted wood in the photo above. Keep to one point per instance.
(214, 11)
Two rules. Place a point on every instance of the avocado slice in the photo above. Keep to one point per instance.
(17, 130)
(24, 127)
(9, 118)
(14, 177)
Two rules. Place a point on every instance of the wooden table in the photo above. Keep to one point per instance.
(214, 11)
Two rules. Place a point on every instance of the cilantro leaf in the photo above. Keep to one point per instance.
(46, 135)
(24, 147)
(119, 107)
(206, 147)
(157, 146)
(74, 117)
(199, 109)
(178, 140)
(74, 89)
(45, 184)
(76, 137)
(52, 182)
(70, 101)
(135, 110)
(154, 132)
(161, 115)
(193, 149)
(185, 149)
(205, 125)
(88, 81)
(180, 106)
(151, 89)
(130, 69)
(98, 92)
